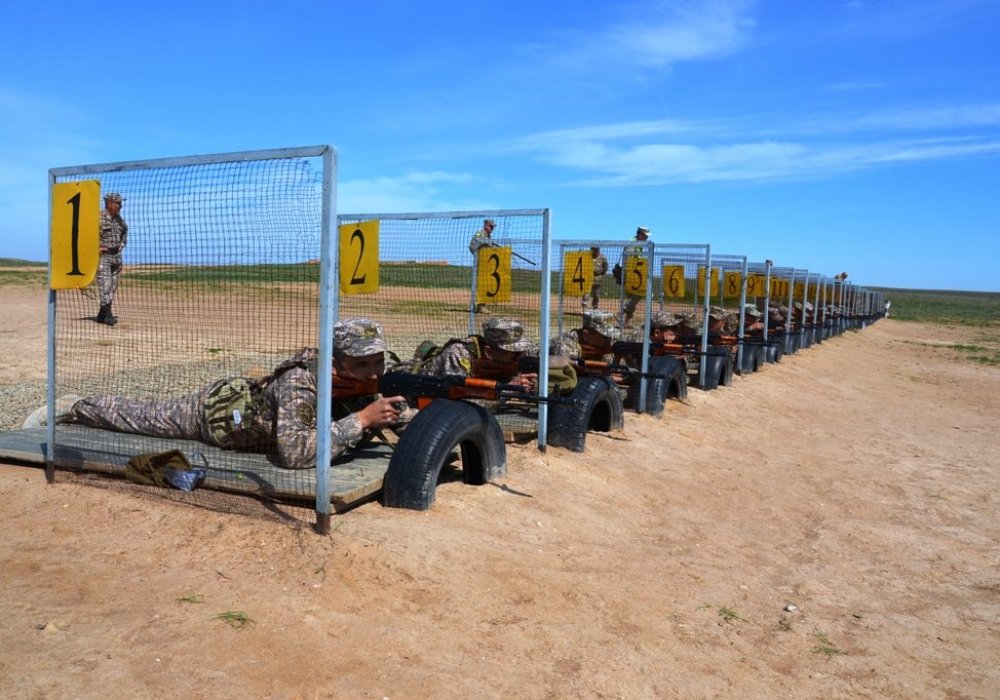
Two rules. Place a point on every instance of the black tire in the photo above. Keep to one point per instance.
(658, 389)
(773, 352)
(429, 439)
(597, 406)
(718, 369)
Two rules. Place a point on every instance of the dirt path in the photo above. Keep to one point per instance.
(856, 481)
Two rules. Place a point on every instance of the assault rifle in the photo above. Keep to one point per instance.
(426, 387)
(634, 347)
(593, 368)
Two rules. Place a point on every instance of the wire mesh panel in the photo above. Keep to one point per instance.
(730, 294)
(440, 276)
(219, 275)
(683, 284)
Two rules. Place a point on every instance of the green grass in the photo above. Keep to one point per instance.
(235, 618)
(193, 598)
(825, 646)
(944, 307)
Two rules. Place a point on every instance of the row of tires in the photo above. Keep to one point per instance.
(447, 428)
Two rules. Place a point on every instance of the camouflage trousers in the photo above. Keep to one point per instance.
(180, 418)
(109, 269)
(595, 294)
(628, 308)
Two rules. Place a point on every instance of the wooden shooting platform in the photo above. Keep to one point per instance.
(354, 478)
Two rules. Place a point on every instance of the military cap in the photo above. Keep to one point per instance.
(798, 306)
(752, 311)
(684, 317)
(604, 322)
(113, 197)
(643, 230)
(717, 313)
(491, 222)
(506, 334)
(661, 319)
(358, 337)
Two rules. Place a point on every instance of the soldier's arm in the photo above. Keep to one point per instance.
(295, 425)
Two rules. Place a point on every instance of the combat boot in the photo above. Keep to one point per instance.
(110, 318)
(102, 315)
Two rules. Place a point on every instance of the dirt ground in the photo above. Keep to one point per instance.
(826, 528)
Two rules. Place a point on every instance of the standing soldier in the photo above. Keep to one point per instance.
(482, 239)
(631, 301)
(600, 270)
(114, 235)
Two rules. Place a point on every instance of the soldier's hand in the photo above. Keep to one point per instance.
(529, 380)
(381, 412)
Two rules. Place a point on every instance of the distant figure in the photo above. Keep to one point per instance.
(483, 238)
(631, 301)
(114, 235)
(888, 303)
(600, 270)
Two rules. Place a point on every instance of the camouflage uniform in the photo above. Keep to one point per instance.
(481, 239)
(632, 301)
(460, 357)
(600, 270)
(570, 344)
(113, 237)
(277, 414)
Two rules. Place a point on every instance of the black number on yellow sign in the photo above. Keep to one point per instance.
(75, 233)
(358, 236)
(635, 275)
(493, 279)
(733, 283)
(359, 258)
(578, 281)
(673, 281)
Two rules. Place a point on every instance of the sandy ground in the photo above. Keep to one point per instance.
(857, 481)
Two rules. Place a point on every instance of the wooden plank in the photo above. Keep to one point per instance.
(354, 478)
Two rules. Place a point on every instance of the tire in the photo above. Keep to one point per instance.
(659, 389)
(597, 406)
(415, 466)
(753, 358)
(718, 369)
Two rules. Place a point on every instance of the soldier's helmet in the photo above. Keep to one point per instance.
(717, 313)
(751, 311)
(603, 322)
(358, 337)
(113, 197)
(506, 334)
(661, 319)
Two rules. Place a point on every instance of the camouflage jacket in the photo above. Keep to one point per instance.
(114, 233)
(480, 240)
(283, 417)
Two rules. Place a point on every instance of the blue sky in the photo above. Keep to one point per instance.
(859, 136)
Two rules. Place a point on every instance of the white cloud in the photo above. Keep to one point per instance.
(413, 192)
(655, 35)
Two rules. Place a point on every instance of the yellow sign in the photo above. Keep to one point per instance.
(800, 289)
(732, 285)
(636, 272)
(779, 287)
(493, 275)
(715, 282)
(756, 286)
(75, 238)
(359, 258)
(673, 281)
(578, 273)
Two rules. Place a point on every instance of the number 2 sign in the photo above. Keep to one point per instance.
(359, 258)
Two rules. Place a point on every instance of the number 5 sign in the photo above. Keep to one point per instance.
(359, 258)
(74, 240)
